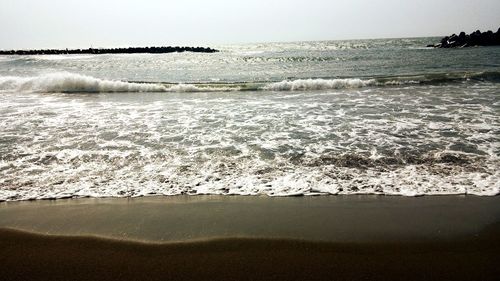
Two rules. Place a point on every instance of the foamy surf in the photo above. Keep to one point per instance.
(391, 141)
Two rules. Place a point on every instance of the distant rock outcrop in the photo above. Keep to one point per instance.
(476, 38)
(131, 50)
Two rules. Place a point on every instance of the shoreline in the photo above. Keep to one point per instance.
(349, 218)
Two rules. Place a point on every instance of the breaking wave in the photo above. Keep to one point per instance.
(73, 83)
(78, 83)
(318, 84)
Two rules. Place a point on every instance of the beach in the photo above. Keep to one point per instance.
(370, 159)
(263, 140)
(252, 238)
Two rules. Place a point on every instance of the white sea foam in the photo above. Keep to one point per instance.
(318, 84)
(194, 88)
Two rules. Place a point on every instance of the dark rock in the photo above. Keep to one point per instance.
(130, 50)
(476, 38)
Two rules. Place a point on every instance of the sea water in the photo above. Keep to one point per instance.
(279, 119)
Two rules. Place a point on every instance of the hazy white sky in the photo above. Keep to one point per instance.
(111, 23)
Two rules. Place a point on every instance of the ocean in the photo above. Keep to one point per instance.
(385, 116)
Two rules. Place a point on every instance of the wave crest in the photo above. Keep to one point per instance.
(77, 83)
(318, 84)
(73, 83)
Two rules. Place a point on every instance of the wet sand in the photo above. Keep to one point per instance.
(252, 238)
(324, 218)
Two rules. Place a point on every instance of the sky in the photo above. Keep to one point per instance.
(33, 24)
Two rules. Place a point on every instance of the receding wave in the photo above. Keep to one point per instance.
(78, 83)
(441, 173)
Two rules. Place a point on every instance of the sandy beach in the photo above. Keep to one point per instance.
(252, 238)
(249, 140)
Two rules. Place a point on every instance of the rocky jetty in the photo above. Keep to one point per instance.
(131, 50)
(476, 38)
